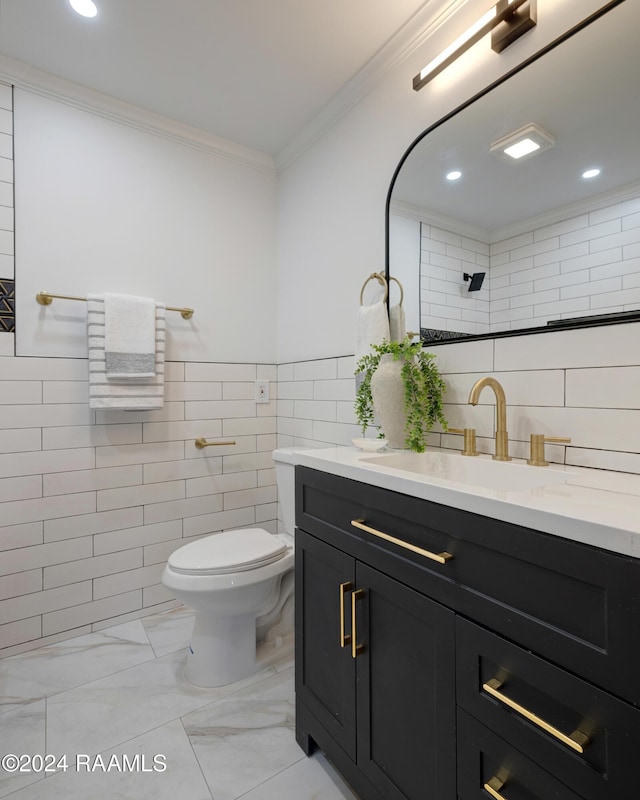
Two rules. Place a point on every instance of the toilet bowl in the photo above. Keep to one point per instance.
(240, 585)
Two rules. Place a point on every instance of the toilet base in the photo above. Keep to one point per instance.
(223, 650)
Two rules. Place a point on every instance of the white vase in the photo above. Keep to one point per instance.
(387, 392)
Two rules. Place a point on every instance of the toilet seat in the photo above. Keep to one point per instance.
(230, 551)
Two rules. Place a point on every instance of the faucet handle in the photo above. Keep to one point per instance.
(538, 440)
(469, 440)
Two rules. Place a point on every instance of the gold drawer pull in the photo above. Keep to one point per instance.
(356, 648)
(493, 788)
(441, 558)
(578, 740)
(345, 638)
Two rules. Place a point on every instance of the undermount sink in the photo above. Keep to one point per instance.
(488, 474)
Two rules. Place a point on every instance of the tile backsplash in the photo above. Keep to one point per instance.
(583, 384)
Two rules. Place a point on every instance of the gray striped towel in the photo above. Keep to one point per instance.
(133, 394)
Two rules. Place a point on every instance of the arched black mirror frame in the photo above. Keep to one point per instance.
(587, 322)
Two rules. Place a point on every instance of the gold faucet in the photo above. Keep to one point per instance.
(502, 437)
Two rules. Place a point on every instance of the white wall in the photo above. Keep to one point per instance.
(92, 503)
(337, 187)
(104, 206)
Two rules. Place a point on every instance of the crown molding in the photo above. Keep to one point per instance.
(413, 34)
(25, 77)
(430, 217)
(630, 191)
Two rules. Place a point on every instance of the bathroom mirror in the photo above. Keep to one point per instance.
(558, 248)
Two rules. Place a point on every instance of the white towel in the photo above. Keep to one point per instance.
(129, 336)
(372, 327)
(140, 395)
(397, 324)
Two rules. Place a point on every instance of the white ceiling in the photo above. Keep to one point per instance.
(251, 71)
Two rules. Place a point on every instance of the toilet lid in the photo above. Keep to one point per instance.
(230, 551)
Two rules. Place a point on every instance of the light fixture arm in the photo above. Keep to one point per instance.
(504, 11)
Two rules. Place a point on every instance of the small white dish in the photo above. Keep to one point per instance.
(370, 445)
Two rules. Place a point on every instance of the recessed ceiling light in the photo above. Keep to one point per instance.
(591, 173)
(454, 175)
(86, 8)
(523, 143)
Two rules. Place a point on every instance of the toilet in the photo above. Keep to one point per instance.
(240, 585)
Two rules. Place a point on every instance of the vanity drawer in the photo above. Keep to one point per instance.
(569, 602)
(486, 760)
(582, 735)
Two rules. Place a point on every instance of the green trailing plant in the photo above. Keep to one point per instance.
(423, 390)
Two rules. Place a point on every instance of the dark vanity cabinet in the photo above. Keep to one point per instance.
(389, 705)
(444, 655)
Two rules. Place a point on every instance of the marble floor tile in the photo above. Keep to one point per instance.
(22, 732)
(126, 704)
(309, 779)
(169, 631)
(109, 693)
(245, 738)
(182, 777)
(30, 676)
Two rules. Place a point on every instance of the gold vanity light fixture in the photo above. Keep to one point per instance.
(519, 145)
(506, 22)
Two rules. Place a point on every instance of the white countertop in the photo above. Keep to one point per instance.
(596, 507)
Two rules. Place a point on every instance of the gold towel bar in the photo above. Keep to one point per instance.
(46, 298)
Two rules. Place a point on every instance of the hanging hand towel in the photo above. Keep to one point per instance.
(125, 394)
(397, 324)
(372, 327)
(129, 336)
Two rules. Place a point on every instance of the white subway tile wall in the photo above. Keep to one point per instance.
(587, 264)
(93, 503)
(583, 384)
(445, 300)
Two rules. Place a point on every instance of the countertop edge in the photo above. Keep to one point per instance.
(569, 519)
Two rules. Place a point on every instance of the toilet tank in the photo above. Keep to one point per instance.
(285, 476)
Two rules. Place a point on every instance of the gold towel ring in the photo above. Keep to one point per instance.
(391, 278)
(377, 276)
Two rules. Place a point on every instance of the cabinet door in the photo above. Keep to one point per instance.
(325, 670)
(406, 690)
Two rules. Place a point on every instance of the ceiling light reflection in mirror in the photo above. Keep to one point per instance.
(556, 244)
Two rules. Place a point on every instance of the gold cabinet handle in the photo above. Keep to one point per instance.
(356, 648)
(493, 788)
(345, 638)
(441, 558)
(578, 740)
